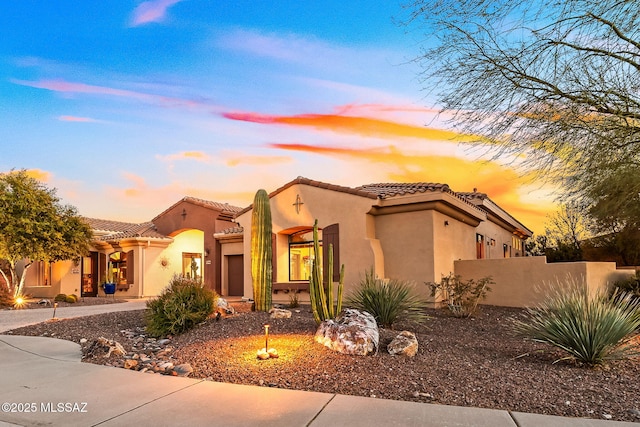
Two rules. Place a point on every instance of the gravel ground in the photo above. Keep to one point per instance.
(467, 362)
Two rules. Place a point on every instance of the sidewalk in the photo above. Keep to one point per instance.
(43, 382)
(12, 319)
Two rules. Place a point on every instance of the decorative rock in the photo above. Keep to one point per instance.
(405, 344)
(262, 354)
(279, 313)
(83, 340)
(273, 353)
(113, 347)
(164, 341)
(130, 363)
(222, 306)
(183, 370)
(352, 332)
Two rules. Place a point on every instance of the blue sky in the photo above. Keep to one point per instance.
(126, 106)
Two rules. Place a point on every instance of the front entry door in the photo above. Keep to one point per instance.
(235, 271)
(89, 275)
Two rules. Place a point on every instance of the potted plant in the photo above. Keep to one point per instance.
(109, 283)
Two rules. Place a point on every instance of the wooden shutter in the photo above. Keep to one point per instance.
(330, 236)
(130, 268)
(102, 267)
(274, 259)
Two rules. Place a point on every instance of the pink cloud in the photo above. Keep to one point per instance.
(74, 87)
(76, 119)
(151, 11)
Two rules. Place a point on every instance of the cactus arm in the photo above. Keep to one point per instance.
(340, 290)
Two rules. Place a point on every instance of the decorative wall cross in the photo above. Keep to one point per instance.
(298, 203)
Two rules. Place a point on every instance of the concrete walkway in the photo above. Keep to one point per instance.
(43, 382)
(12, 319)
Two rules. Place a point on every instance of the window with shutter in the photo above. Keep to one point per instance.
(331, 236)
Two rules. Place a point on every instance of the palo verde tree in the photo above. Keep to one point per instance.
(35, 226)
(554, 83)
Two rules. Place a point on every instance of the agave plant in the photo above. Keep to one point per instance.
(591, 329)
(388, 301)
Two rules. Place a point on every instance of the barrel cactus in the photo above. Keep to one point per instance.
(322, 302)
(261, 251)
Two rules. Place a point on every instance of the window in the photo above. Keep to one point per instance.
(479, 246)
(192, 265)
(44, 273)
(118, 271)
(516, 243)
(506, 251)
(301, 255)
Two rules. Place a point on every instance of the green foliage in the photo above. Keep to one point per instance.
(60, 297)
(388, 301)
(34, 225)
(321, 300)
(462, 297)
(71, 299)
(293, 299)
(591, 329)
(180, 307)
(261, 252)
(629, 286)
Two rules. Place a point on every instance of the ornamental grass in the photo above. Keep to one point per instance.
(591, 329)
(388, 301)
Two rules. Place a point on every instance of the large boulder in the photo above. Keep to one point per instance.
(404, 344)
(352, 332)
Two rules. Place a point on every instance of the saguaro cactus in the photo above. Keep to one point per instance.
(322, 303)
(261, 252)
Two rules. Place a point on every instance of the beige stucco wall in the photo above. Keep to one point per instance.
(65, 279)
(329, 207)
(521, 282)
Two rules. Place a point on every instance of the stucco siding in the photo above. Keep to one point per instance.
(524, 281)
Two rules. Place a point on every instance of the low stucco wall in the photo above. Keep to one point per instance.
(521, 282)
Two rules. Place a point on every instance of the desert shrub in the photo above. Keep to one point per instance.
(629, 286)
(71, 299)
(462, 297)
(388, 301)
(591, 329)
(60, 297)
(181, 306)
(294, 300)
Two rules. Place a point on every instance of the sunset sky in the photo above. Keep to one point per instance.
(127, 106)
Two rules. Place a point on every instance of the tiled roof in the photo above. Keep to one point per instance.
(225, 207)
(319, 184)
(108, 225)
(386, 190)
(226, 210)
(232, 230)
(471, 196)
(116, 230)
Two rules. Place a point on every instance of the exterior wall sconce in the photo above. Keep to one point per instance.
(446, 223)
(207, 252)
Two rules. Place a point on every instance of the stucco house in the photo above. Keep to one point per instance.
(142, 257)
(408, 231)
(403, 231)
